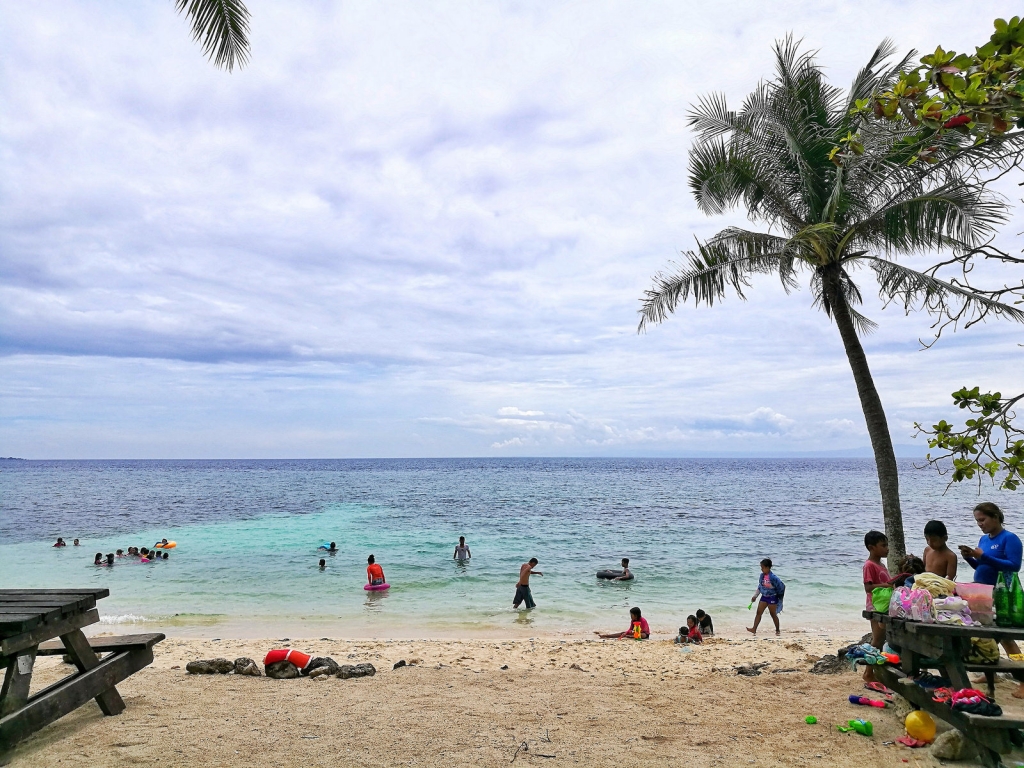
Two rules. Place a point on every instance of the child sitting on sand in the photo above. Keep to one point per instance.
(704, 624)
(639, 629)
(938, 558)
(690, 633)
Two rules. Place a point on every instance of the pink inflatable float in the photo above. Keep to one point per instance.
(376, 587)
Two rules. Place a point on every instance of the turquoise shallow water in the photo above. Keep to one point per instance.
(247, 533)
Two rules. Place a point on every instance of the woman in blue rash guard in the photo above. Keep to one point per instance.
(998, 550)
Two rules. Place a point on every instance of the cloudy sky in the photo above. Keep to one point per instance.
(416, 229)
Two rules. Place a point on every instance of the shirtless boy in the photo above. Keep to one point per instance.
(523, 585)
(938, 558)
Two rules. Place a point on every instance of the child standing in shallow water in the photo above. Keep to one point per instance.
(771, 591)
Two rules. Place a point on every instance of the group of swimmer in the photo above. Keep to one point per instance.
(144, 555)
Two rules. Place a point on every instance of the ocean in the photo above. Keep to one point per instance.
(247, 532)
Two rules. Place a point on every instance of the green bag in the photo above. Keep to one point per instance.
(880, 597)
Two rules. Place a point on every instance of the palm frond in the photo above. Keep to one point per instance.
(221, 27)
(915, 289)
(711, 118)
(956, 215)
(727, 261)
(875, 76)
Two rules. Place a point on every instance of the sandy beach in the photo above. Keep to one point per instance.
(586, 702)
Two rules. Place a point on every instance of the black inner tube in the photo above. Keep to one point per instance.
(612, 575)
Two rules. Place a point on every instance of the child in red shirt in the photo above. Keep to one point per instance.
(875, 575)
(691, 632)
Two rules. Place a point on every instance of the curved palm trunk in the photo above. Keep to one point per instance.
(878, 428)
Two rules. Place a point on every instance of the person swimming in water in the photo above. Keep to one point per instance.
(374, 573)
(626, 575)
(99, 559)
(323, 564)
(60, 542)
(110, 558)
(332, 548)
(462, 553)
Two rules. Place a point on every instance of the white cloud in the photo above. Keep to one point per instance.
(402, 215)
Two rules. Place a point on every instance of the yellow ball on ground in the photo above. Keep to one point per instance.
(920, 726)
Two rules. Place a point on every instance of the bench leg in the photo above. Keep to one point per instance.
(17, 681)
(67, 695)
(952, 655)
(85, 658)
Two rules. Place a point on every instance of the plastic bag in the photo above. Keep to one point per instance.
(899, 603)
(922, 607)
(880, 597)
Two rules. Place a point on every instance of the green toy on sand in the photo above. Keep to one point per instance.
(863, 727)
(810, 719)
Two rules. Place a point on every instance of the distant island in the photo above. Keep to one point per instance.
(11, 458)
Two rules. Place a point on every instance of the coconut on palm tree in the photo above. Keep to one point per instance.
(827, 217)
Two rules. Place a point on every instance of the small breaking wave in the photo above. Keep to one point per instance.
(124, 618)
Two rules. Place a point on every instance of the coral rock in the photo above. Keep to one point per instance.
(282, 670)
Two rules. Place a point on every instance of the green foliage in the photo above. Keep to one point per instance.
(954, 100)
(988, 444)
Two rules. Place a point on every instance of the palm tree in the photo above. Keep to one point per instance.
(828, 212)
(221, 27)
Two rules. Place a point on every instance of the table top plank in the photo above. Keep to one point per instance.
(42, 610)
(32, 598)
(94, 591)
(14, 623)
(949, 630)
(24, 610)
(68, 606)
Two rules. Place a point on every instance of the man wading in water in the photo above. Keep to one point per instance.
(523, 587)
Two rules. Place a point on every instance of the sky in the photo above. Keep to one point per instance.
(420, 229)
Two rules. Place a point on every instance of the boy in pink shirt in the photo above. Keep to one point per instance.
(875, 575)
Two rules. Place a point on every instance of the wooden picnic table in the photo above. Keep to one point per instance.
(29, 618)
(943, 647)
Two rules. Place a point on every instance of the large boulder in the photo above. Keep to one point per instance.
(209, 667)
(282, 670)
(952, 745)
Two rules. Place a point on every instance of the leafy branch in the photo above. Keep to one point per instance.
(953, 101)
(988, 444)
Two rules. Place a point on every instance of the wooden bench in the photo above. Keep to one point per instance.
(944, 647)
(990, 734)
(111, 644)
